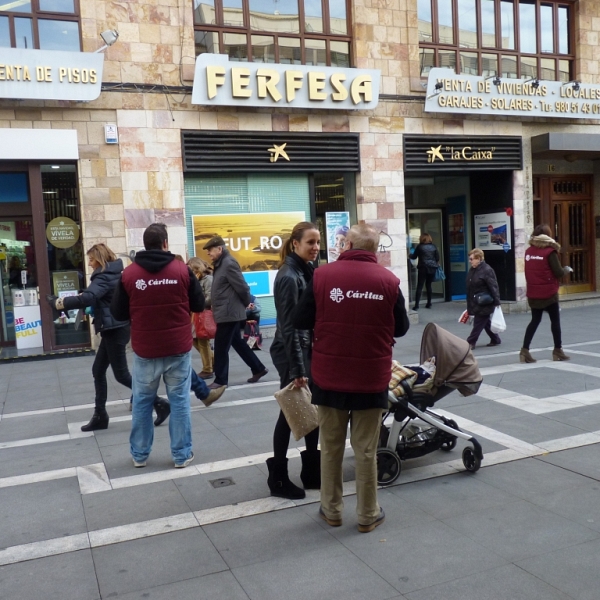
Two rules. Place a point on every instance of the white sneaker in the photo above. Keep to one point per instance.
(138, 465)
(185, 463)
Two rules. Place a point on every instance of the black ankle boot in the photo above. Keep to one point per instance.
(279, 482)
(99, 420)
(163, 410)
(311, 469)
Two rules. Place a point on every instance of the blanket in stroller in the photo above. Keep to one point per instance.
(419, 378)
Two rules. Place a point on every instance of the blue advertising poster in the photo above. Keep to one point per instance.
(457, 246)
(337, 225)
(258, 282)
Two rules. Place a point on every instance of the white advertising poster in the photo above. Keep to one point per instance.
(492, 231)
(28, 327)
(337, 225)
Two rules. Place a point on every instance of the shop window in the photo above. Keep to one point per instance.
(512, 38)
(42, 24)
(312, 32)
(66, 255)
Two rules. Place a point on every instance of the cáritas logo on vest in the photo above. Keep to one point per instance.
(533, 257)
(337, 295)
(140, 284)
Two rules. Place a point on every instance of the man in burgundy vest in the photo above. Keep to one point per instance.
(156, 294)
(356, 309)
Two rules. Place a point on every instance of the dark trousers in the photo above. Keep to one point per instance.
(228, 335)
(423, 279)
(281, 435)
(536, 318)
(111, 352)
(481, 323)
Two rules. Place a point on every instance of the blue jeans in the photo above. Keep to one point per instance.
(177, 372)
(199, 386)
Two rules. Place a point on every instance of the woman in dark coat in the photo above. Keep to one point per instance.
(107, 269)
(543, 272)
(481, 279)
(429, 260)
(290, 352)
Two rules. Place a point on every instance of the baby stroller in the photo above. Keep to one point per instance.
(416, 430)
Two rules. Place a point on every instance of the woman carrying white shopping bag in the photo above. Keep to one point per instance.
(483, 296)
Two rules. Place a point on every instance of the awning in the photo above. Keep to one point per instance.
(570, 146)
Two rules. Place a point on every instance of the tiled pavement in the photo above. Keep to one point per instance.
(78, 522)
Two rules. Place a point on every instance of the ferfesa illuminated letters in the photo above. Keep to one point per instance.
(218, 81)
(268, 83)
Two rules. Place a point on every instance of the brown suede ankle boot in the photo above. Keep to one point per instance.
(525, 356)
(558, 354)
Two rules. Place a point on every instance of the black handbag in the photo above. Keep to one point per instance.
(483, 299)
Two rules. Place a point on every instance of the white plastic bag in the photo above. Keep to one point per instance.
(498, 323)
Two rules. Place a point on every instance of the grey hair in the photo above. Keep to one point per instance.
(363, 237)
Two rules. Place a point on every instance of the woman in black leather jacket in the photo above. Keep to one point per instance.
(115, 334)
(429, 259)
(290, 352)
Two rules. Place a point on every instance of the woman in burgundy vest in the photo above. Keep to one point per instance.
(542, 274)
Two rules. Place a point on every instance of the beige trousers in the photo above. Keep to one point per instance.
(206, 354)
(364, 436)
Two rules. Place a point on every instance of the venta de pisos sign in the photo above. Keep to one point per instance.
(217, 81)
(50, 74)
(471, 94)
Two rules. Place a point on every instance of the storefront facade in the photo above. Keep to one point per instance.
(281, 80)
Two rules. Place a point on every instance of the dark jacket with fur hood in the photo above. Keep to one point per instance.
(544, 241)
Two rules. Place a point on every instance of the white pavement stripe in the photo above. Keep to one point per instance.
(71, 543)
(62, 409)
(65, 409)
(572, 367)
(138, 531)
(93, 478)
(508, 441)
(37, 477)
(44, 440)
(243, 509)
(574, 441)
(594, 354)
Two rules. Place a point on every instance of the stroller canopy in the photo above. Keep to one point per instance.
(456, 366)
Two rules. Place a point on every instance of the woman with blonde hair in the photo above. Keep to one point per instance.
(107, 269)
(203, 271)
(291, 351)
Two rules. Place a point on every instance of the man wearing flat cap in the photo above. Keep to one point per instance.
(230, 295)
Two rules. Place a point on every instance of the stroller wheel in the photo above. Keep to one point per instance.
(471, 462)
(388, 466)
(450, 442)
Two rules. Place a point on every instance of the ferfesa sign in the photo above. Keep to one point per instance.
(470, 94)
(50, 74)
(220, 82)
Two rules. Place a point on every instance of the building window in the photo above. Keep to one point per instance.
(511, 38)
(42, 24)
(307, 32)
